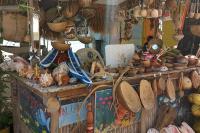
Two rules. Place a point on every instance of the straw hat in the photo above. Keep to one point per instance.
(146, 94)
(128, 97)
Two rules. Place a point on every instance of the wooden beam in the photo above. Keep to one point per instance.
(9, 8)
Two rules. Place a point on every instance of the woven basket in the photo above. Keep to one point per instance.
(14, 26)
(88, 55)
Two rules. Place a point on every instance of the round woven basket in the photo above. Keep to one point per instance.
(128, 97)
(88, 55)
(146, 95)
(59, 45)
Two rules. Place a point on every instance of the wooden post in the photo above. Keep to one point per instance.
(53, 107)
(30, 14)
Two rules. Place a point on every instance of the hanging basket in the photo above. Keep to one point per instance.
(14, 26)
(84, 39)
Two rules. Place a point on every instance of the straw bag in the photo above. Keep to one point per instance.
(128, 97)
(14, 26)
(146, 95)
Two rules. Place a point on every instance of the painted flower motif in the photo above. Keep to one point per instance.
(103, 103)
(100, 99)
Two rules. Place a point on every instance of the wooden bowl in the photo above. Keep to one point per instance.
(169, 65)
(57, 27)
(180, 65)
(59, 45)
(84, 39)
(128, 97)
(182, 59)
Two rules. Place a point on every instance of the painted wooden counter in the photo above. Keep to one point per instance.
(30, 105)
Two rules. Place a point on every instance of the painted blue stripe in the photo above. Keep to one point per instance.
(77, 68)
(48, 60)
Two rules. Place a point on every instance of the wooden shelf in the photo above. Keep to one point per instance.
(80, 90)
(9, 8)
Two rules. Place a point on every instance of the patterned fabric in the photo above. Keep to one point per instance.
(75, 68)
(48, 60)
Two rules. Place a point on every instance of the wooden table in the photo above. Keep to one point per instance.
(23, 90)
